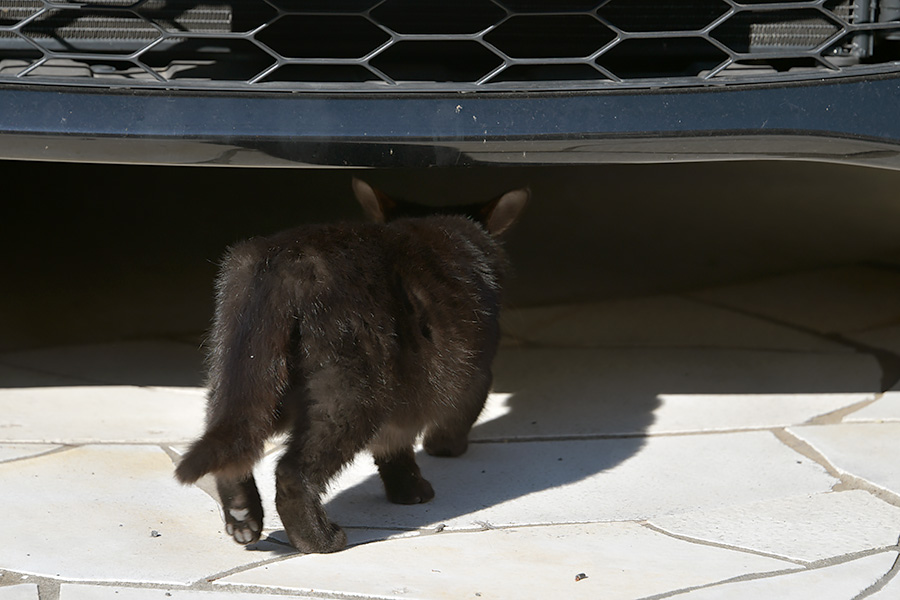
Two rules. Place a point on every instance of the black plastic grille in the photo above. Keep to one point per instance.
(397, 45)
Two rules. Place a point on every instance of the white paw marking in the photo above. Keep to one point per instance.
(240, 514)
(243, 536)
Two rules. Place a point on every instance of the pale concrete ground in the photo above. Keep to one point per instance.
(712, 433)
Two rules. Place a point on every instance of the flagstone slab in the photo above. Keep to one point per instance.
(10, 452)
(806, 528)
(143, 362)
(619, 560)
(85, 414)
(559, 392)
(18, 377)
(669, 321)
(355, 535)
(22, 591)
(837, 300)
(532, 483)
(838, 582)
(504, 417)
(866, 450)
(113, 513)
(684, 413)
(522, 324)
(69, 591)
(886, 408)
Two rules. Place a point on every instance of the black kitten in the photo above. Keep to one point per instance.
(349, 336)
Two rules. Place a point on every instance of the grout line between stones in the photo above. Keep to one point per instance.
(836, 417)
(701, 542)
(887, 360)
(59, 449)
(747, 577)
(847, 481)
(804, 448)
(49, 588)
(576, 437)
(208, 581)
(486, 526)
(237, 588)
(852, 482)
(881, 583)
(822, 564)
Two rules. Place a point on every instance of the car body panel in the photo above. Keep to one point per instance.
(848, 121)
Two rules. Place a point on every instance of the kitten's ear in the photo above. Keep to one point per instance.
(500, 214)
(378, 207)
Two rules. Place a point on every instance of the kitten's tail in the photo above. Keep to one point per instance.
(248, 368)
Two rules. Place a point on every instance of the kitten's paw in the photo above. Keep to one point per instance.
(305, 522)
(241, 525)
(412, 491)
(242, 507)
(330, 539)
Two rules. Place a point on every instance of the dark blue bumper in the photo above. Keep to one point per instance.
(843, 121)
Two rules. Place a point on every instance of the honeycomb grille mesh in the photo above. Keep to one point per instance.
(397, 45)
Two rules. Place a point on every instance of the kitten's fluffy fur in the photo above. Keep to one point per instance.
(349, 336)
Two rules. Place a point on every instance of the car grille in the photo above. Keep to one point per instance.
(425, 45)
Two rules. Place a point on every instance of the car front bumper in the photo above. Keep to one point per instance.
(842, 121)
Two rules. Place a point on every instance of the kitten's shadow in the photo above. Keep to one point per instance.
(553, 443)
(557, 418)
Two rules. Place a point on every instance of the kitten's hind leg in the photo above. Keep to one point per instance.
(242, 506)
(327, 436)
(403, 482)
(301, 475)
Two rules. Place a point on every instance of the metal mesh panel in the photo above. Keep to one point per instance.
(428, 45)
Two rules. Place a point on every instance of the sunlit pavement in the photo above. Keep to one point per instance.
(730, 442)
(679, 427)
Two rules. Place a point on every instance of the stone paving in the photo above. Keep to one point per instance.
(737, 442)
